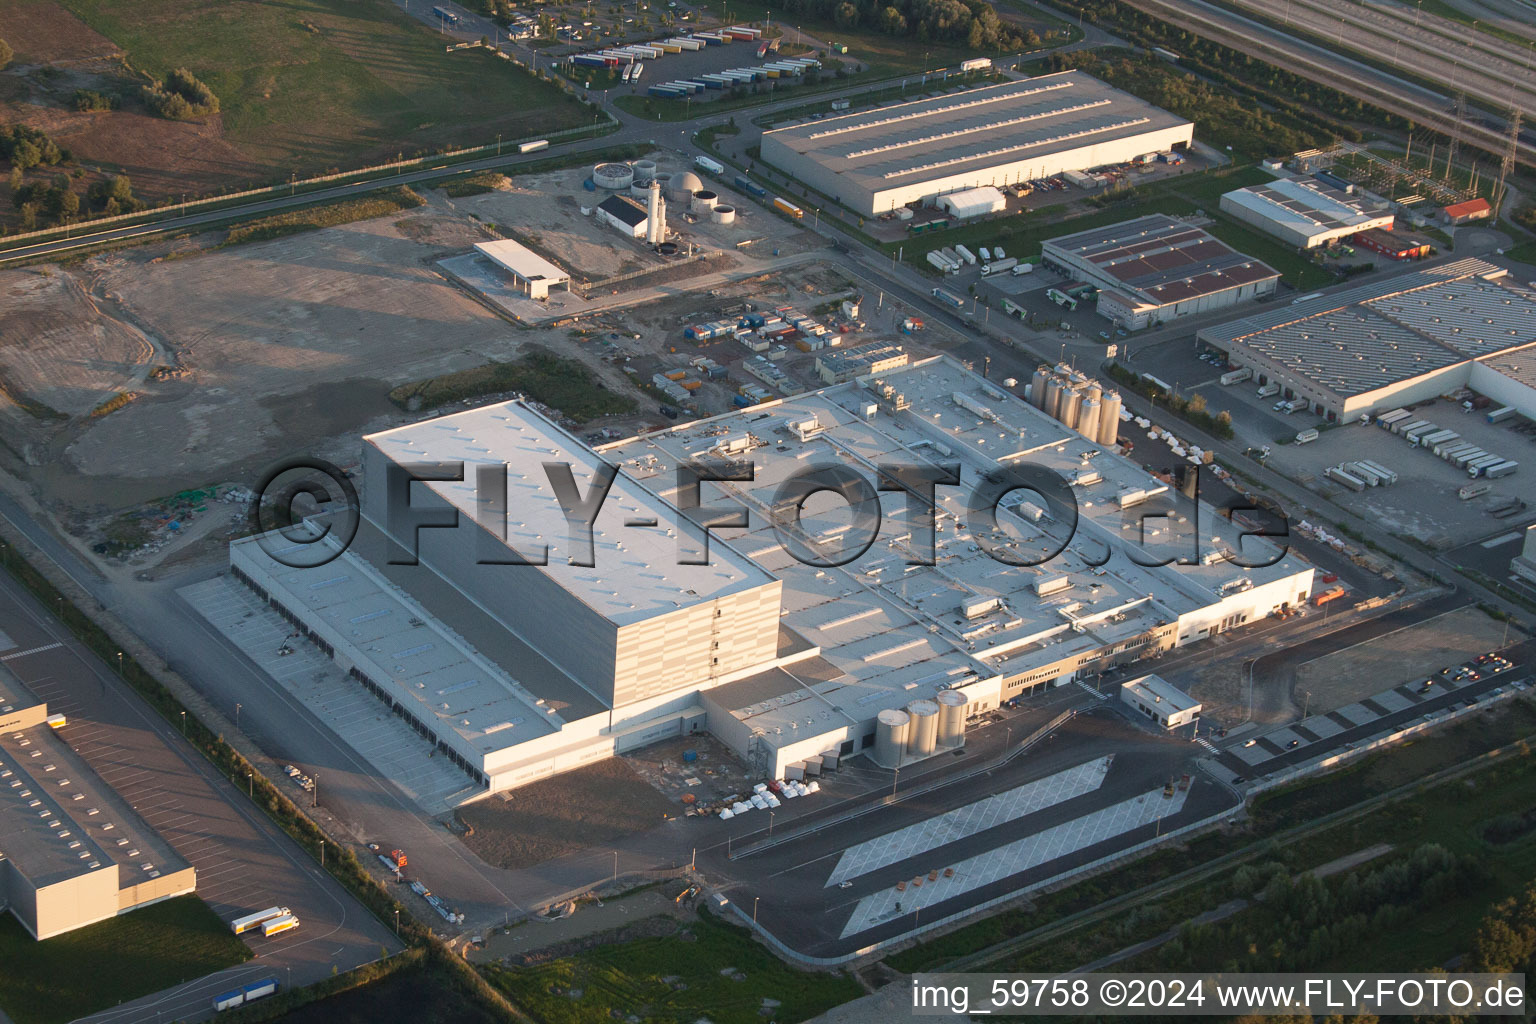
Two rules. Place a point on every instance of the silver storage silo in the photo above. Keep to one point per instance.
(1053, 391)
(723, 215)
(1071, 401)
(1088, 419)
(704, 200)
(1037, 386)
(1109, 419)
(891, 727)
(952, 704)
(923, 734)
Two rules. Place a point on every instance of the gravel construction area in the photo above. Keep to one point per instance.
(1409, 654)
(563, 815)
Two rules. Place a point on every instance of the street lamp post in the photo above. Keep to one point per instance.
(238, 706)
(250, 785)
(754, 908)
(183, 723)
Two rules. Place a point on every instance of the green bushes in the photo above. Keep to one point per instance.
(328, 216)
(180, 96)
(27, 147)
(87, 100)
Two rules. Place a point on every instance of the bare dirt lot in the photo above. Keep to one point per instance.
(563, 815)
(1408, 654)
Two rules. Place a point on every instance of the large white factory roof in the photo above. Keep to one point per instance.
(948, 135)
(1161, 260)
(893, 632)
(1306, 206)
(636, 574)
(1389, 331)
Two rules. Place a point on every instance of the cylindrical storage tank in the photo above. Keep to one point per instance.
(1067, 411)
(923, 733)
(1052, 396)
(952, 704)
(1094, 392)
(1109, 418)
(723, 215)
(1037, 385)
(645, 170)
(1088, 418)
(665, 178)
(613, 176)
(704, 200)
(640, 191)
(891, 727)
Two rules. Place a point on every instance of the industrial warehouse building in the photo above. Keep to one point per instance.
(1305, 212)
(1368, 349)
(72, 852)
(838, 365)
(517, 672)
(878, 160)
(532, 274)
(1153, 269)
(622, 214)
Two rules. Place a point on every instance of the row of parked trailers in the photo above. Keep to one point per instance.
(621, 56)
(1359, 475)
(733, 77)
(1447, 445)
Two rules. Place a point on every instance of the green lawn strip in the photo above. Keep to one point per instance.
(674, 977)
(565, 384)
(98, 966)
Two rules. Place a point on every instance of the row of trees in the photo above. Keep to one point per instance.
(179, 96)
(972, 23)
(40, 203)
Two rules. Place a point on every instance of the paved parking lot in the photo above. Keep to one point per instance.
(243, 862)
(371, 728)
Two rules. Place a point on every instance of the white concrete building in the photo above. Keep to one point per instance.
(531, 273)
(521, 671)
(878, 160)
(624, 215)
(1157, 699)
(1154, 269)
(1368, 349)
(1306, 212)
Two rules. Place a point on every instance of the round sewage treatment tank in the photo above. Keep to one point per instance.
(891, 736)
(645, 170)
(640, 191)
(952, 705)
(704, 200)
(924, 731)
(613, 176)
(723, 215)
(667, 248)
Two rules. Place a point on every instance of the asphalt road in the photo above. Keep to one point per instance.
(243, 861)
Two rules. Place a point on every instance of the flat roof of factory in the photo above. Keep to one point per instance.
(1381, 333)
(1162, 260)
(892, 632)
(635, 574)
(520, 260)
(1306, 205)
(946, 135)
(1154, 689)
(59, 819)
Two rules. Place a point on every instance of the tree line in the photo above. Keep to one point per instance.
(971, 23)
(179, 96)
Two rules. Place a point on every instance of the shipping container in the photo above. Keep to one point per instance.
(998, 267)
(1500, 415)
(1332, 594)
(1236, 376)
(1471, 455)
(1476, 466)
(966, 255)
(1386, 419)
(259, 989)
(1387, 475)
(529, 147)
(1504, 468)
(1354, 483)
(785, 206)
(446, 15)
(1023, 268)
(949, 298)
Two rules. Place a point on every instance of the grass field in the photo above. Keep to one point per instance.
(674, 978)
(565, 384)
(328, 215)
(84, 971)
(312, 85)
(587, 807)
